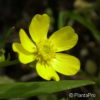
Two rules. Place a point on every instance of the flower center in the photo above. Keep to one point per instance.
(45, 51)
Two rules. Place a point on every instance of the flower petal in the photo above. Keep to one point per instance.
(66, 64)
(26, 42)
(39, 27)
(25, 59)
(24, 56)
(46, 72)
(64, 39)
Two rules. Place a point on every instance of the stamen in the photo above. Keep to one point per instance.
(45, 51)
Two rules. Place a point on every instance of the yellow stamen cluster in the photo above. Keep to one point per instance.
(45, 51)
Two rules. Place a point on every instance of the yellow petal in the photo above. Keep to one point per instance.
(39, 27)
(64, 39)
(46, 72)
(66, 64)
(24, 56)
(26, 42)
(25, 59)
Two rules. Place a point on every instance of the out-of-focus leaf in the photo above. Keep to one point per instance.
(51, 97)
(91, 67)
(98, 1)
(61, 21)
(47, 97)
(50, 13)
(87, 23)
(5, 79)
(64, 99)
(82, 4)
(5, 36)
(8, 63)
(2, 56)
(22, 89)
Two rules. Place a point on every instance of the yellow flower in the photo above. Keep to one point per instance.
(46, 50)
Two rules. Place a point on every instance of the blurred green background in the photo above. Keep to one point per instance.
(82, 15)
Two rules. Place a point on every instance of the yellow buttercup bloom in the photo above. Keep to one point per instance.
(46, 50)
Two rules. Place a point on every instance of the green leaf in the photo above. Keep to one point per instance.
(6, 79)
(2, 56)
(5, 36)
(27, 89)
(86, 22)
(61, 21)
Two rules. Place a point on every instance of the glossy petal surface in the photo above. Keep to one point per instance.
(24, 56)
(64, 39)
(66, 64)
(46, 72)
(39, 27)
(26, 42)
